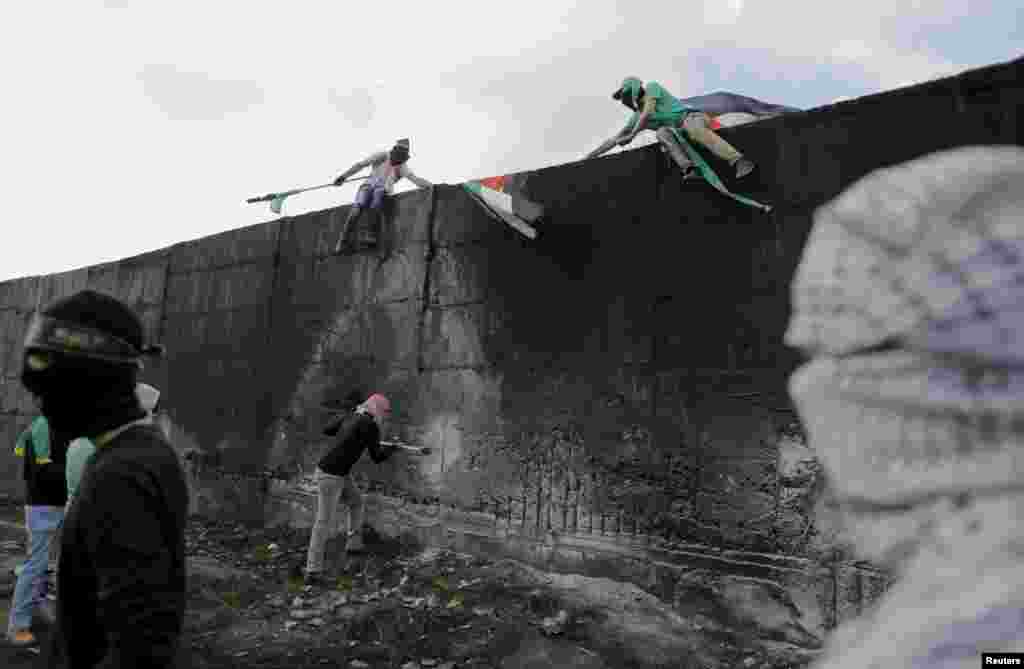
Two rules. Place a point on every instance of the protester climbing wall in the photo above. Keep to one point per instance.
(615, 386)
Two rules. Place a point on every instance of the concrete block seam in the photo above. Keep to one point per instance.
(427, 275)
(267, 260)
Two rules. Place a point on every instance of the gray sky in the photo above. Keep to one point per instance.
(129, 126)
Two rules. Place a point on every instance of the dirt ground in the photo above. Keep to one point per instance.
(400, 605)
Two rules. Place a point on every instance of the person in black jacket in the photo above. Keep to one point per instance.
(357, 432)
(43, 452)
(121, 576)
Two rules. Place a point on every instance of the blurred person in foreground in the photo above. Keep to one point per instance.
(909, 301)
(121, 578)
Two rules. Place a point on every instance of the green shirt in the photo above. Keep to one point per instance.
(79, 452)
(40, 432)
(665, 108)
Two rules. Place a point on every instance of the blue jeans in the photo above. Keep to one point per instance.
(43, 523)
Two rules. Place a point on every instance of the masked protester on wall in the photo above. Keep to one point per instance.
(359, 431)
(121, 578)
(43, 452)
(388, 168)
(654, 108)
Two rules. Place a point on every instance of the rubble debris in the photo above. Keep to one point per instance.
(429, 609)
(555, 625)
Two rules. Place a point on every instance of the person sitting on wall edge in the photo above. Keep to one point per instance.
(654, 108)
(388, 168)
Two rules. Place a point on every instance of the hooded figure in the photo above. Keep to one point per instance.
(908, 303)
(654, 108)
(81, 449)
(388, 168)
(358, 431)
(121, 575)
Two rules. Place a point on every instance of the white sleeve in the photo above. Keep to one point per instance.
(411, 176)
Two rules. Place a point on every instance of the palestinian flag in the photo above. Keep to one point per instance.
(732, 119)
(724, 102)
(502, 198)
(731, 109)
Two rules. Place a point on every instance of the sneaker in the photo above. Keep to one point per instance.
(744, 167)
(22, 639)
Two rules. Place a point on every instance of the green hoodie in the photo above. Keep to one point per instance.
(664, 109)
(39, 430)
(79, 452)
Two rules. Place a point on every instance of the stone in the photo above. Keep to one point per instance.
(555, 625)
(304, 614)
(348, 612)
(546, 654)
(761, 604)
(336, 600)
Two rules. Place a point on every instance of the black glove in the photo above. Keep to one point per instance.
(340, 180)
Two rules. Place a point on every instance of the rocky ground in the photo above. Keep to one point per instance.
(400, 605)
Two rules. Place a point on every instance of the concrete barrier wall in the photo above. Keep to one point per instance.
(621, 378)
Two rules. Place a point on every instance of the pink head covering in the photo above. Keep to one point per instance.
(377, 405)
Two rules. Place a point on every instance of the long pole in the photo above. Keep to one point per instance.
(287, 193)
